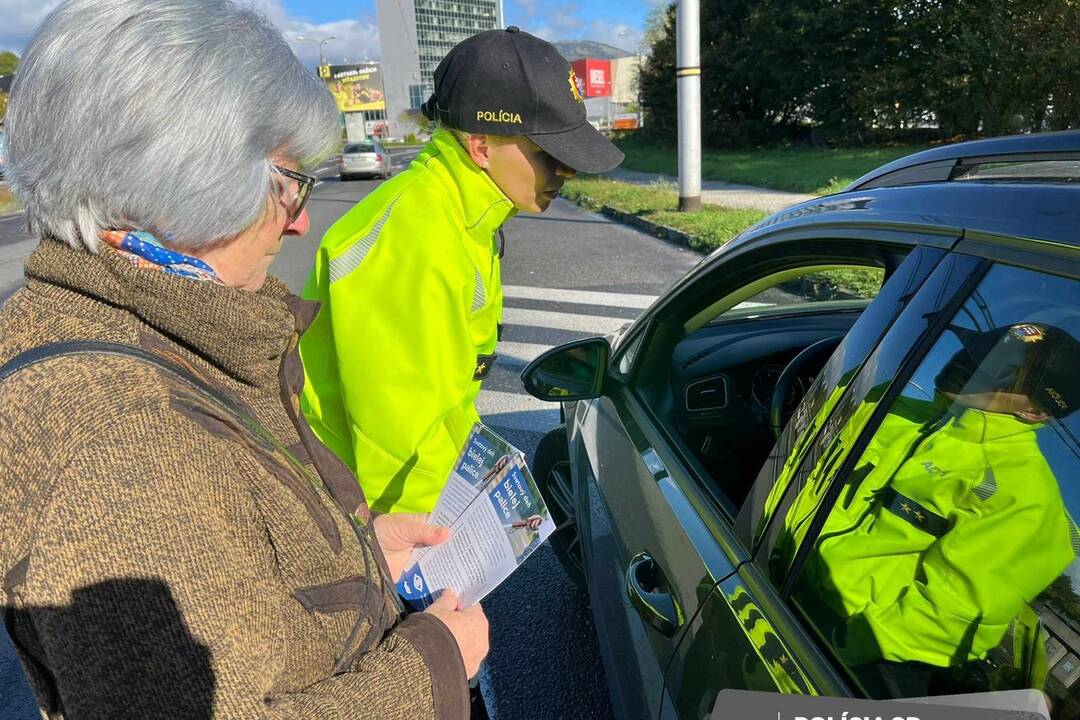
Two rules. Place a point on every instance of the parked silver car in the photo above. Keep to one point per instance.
(365, 158)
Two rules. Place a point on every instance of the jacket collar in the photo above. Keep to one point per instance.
(242, 333)
(980, 426)
(484, 206)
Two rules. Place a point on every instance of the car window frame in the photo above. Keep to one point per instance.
(1014, 255)
(756, 259)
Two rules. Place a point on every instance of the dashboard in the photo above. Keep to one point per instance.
(722, 379)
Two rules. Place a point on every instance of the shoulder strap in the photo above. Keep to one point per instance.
(215, 395)
(41, 353)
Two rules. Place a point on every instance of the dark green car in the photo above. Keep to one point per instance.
(840, 457)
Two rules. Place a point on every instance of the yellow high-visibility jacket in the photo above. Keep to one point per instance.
(409, 281)
(945, 533)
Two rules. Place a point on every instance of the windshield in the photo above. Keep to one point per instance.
(359, 148)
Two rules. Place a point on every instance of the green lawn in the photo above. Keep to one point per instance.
(8, 204)
(808, 170)
(710, 228)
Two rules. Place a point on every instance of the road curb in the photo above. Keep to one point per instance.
(657, 230)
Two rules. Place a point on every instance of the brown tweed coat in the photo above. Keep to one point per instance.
(155, 560)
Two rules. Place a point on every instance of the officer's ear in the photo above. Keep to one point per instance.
(479, 149)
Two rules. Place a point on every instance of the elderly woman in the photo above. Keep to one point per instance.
(176, 541)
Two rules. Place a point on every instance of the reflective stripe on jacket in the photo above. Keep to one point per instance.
(409, 281)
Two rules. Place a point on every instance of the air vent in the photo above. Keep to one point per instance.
(709, 394)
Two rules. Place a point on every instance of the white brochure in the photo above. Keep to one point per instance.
(496, 516)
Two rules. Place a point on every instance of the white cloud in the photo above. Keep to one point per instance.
(563, 22)
(620, 35)
(355, 39)
(20, 17)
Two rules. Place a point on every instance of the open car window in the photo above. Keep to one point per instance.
(943, 560)
(825, 288)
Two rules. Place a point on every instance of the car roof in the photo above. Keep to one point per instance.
(921, 191)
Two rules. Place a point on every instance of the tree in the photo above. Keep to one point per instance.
(851, 70)
(656, 78)
(9, 62)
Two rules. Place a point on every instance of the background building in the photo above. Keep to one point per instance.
(608, 80)
(415, 35)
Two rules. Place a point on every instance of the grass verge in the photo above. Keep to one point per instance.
(8, 204)
(708, 229)
(799, 169)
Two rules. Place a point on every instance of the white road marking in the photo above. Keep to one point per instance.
(516, 411)
(582, 297)
(594, 324)
(517, 354)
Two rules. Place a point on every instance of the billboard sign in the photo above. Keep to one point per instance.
(593, 77)
(355, 87)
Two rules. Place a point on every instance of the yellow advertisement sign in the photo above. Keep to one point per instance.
(355, 87)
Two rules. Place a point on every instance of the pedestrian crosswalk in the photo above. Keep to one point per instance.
(534, 320)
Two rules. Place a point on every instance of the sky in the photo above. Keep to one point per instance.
(353, 24)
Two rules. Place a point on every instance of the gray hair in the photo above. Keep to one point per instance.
(160, 115)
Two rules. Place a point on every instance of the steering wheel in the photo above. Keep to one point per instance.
(816, 352)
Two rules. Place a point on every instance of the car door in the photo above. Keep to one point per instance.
(766, 648)
(649, 565)
(656, 542)
(941, 556)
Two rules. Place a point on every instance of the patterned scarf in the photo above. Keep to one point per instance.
(144, 250)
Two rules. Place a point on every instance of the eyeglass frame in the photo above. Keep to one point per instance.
(307, 184)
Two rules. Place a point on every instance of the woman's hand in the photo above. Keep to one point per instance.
(401, 533)
(469, 628)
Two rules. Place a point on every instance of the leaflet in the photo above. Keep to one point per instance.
(497, 519)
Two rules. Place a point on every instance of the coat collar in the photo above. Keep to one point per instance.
(243, 333)
(484, 206)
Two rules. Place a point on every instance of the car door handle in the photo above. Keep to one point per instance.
(648, 591)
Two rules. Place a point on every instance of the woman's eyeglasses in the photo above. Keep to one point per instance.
(306, 183)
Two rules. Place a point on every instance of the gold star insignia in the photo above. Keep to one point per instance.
(919, 516)
(782, 659)
(906, 508)
(481, 367)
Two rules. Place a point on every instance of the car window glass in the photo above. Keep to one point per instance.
(359, 148)
(1035, 170)
(812, 428)
(819, 286)
(947, 560)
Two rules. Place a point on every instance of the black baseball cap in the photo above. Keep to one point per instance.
(508, 82)
(1035, 359)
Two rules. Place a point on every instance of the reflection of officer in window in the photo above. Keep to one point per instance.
(953, 520)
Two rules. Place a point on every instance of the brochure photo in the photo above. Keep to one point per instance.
(497, 519)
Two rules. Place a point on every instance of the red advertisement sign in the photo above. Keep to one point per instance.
(594, 77)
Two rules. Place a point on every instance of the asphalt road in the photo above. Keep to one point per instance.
(566, 274)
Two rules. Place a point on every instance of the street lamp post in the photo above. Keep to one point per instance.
(320, 43)
(688, 84)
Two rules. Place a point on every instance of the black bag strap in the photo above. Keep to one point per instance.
(215, 395)
(48, 351)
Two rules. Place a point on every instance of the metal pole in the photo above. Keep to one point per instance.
(688, 82)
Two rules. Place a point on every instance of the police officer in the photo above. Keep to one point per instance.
(953, 520)
(409, 278)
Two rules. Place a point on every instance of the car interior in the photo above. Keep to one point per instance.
(742, 361)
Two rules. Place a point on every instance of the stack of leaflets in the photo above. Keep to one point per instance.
(496, 516)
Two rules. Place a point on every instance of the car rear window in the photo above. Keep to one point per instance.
(359, 148)
(1063, 171)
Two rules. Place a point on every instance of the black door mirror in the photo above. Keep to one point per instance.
(574, 371)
